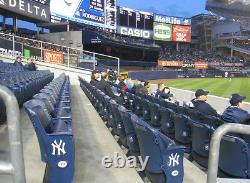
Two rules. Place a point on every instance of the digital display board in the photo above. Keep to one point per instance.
(135, 19)
(162, 32)
(100, 13)
(181, 33)
(172, 20)
(36, 9)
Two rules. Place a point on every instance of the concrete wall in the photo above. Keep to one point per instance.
(64, 38)
(219, 103)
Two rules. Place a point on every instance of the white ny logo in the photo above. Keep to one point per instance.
(173, 160)
(58, 147)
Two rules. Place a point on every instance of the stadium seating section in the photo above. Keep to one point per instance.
(148, 126)
(50, 113)
(22, 83)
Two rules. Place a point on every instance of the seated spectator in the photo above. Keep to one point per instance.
(31, 65)
(235, 113)
(201, 105)
(122, 84)
(162, 91)
(143, 87)
(95, 75)
(172, 99)
(18, 61)
(104, 85)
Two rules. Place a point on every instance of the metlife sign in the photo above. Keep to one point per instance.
(140, 33)
(27, 8)
(172, 20)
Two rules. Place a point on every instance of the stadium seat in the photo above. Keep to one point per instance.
(234, 158)
(167, 123)
(155, 115)
(166, 159)
(182, 130)
(145, 110)
(130, 132)
(138, 109)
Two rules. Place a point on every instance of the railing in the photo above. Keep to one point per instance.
(16, 166)
(70, 56)
(213, 161)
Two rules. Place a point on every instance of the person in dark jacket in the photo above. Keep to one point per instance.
(235, 113)
(162, 92)
(143, 87)
(18, 62)
(104, 85)
(31, 65)
(94, 77)
(200, 104)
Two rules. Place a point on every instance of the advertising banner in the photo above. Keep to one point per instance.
(170, 63)
(201, 65)
(146, 34)
(53, 57)
(172, 20)
(162, 32)
(6, 47)
(100, 13)
(181, 33)
(27, 8)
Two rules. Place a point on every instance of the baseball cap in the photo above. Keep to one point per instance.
(236, 98)
(201, 92)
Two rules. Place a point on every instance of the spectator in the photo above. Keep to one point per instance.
(122, 84)
(94, 78)
(162, 91)
(18, 61)
(235, 113)
(31, 65)
(143, 88)
(201, 105)
(104, 85)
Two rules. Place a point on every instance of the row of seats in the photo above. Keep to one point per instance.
(9, 68)
(166, 158)
(24, 85)
(193, 130)
(51, 116)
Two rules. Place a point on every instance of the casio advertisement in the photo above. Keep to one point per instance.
(140, 33)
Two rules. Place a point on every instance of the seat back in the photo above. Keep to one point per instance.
(155, 114)
(166, 159)
(182, 128)
(145, 109)
(167, 124)
(235, 157)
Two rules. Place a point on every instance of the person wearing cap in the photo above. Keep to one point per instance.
(200, 104)
(235, 113)
(94, 77)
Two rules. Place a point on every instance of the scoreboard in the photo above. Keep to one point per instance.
(97, 5)
(135, 19)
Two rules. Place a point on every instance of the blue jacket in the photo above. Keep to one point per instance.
(161, 95)
(234, 114)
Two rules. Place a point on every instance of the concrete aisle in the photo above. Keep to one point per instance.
(93, 141)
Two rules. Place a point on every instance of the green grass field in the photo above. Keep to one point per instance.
(216, 86)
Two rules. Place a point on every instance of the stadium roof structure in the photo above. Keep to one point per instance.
(232, 9)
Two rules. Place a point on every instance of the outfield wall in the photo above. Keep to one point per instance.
(219, 103)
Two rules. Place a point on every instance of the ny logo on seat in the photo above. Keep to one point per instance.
(173, 160)
(58, 149)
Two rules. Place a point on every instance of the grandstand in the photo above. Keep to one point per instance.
(58, 127)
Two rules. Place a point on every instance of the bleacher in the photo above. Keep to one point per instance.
(147, 126)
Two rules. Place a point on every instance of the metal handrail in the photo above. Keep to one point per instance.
(16, 166)
(213, 161)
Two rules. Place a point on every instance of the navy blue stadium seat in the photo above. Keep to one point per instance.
(165, 164)
(138, 109)
(132, 141)
(145, 110)
(155, 115)
(235, 157)
(167, 122)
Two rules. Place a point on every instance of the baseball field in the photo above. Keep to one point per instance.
(222, 87)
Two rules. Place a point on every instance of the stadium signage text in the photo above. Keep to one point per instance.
(135, 32)
(53, 57)
(93, 17)
(27, 8)
(162, 32)
(172, 20)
